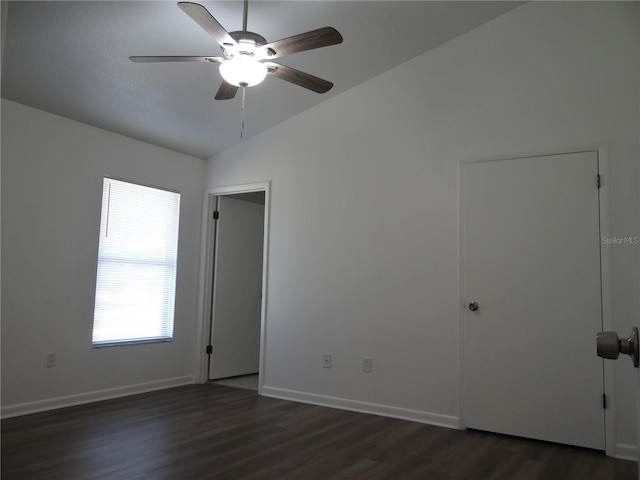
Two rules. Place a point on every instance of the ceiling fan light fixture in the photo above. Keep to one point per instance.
(244, 50)
(243, 71)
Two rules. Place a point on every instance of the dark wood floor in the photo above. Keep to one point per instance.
(217, 432)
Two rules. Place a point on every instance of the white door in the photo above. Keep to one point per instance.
(236, 317)
(531, 261)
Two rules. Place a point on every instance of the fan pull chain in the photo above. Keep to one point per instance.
(244, 90)
(245, 15)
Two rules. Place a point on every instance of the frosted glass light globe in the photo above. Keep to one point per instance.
(243, 71)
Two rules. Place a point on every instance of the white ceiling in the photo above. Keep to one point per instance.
(70, 58)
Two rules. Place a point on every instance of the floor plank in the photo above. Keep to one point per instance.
(220, 432)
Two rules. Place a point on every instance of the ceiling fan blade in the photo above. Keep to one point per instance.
(322, 37)
(297, 77)
(172, 58)
(202, 17)
(226, 91)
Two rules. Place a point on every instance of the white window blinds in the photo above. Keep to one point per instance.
(137, 259)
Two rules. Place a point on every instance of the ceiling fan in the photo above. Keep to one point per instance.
(247, 57)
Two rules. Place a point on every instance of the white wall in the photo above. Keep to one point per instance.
(363, 250)
(52, 170)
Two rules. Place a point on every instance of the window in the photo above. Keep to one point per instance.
(137, 259)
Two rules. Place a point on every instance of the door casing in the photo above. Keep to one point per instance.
(206, 274)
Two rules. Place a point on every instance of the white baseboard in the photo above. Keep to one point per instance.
(363, 407)
(626, 452)
(89, 397)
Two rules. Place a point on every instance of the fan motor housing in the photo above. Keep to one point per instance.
(247, 44)
(243, 36)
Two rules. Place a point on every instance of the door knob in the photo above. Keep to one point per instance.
(473, 306)
(610, 346)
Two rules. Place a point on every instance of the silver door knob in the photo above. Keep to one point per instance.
(473, 306)
(610, 346)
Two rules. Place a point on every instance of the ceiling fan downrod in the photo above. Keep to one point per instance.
(245, 15)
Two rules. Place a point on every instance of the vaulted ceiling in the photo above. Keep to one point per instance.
(70, 58)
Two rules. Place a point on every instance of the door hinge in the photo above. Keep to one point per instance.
(604, 401)
(216, 215)
(209, 349)
(598, 181)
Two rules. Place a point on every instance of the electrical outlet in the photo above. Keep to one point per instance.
(51, 359)
(367, 363)
(326, 360)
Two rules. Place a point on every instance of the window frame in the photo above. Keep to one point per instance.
(168, 306)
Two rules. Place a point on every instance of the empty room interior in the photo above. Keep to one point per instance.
(416, 215)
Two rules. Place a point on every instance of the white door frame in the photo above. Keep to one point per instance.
(206, 274)
(611, 447)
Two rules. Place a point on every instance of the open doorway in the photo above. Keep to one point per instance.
(234, 319)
